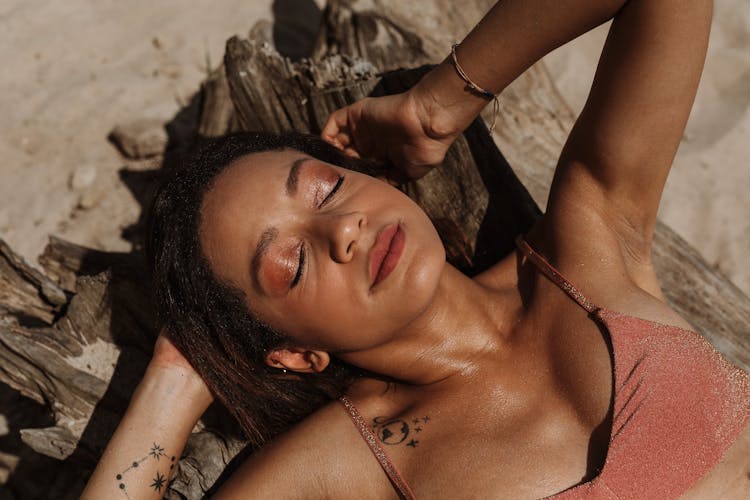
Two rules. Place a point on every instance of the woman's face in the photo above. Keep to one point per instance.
(338, 260)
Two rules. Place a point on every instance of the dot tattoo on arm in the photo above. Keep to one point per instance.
(160, 481)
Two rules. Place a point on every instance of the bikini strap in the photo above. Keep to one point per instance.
(383, 458)
(553, 274)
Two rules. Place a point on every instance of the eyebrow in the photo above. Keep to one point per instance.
(263, 244)
(293, 178)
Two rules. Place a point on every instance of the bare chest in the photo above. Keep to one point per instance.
(539, 427)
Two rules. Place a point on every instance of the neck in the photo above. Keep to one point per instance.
(465, 322)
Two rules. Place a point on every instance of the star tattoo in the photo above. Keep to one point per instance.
(156, 451)
(413, 443)
(158, 483)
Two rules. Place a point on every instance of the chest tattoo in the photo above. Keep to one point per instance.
(400, 431)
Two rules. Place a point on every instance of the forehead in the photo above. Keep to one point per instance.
(255, 171)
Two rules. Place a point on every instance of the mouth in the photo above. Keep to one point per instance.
(386, 252)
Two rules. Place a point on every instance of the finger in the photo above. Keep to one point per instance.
(331, 127)
(351, 152)
(344, 139)
(336, 143)
(335, 125)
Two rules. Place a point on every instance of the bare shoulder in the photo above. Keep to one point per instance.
(321, 457)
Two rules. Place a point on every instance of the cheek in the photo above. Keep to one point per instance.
(426, 264)
(404, 301)
(321, 317)
(419, 286)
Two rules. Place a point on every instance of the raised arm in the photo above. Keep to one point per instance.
(621, 149)
(141, 457)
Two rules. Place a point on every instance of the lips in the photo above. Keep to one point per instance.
(386, 252)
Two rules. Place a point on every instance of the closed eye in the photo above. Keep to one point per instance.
(332, 192)
(300, 266)
(302, 256)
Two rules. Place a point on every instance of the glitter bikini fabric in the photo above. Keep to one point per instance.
(679, 405)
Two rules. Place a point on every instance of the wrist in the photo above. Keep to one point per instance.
(448, 106)
(175, 386)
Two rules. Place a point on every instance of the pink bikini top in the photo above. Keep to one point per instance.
(678, 406)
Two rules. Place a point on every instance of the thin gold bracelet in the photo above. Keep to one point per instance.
(473, 87)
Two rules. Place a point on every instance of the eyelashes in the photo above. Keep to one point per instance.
(302, 253)
(300, 267)
(332, 191)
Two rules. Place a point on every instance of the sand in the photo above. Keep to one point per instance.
(73, 70)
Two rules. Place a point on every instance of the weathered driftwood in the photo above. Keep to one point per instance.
(25, 292)
(78, 337)
(217, 116)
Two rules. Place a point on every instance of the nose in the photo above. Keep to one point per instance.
(343, 231)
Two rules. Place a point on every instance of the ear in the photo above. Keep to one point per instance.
(298, 360)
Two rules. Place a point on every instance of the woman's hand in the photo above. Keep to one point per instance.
(166, 355)
(168, 359)
(405, 129)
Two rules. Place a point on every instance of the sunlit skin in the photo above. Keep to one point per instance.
(333, 217)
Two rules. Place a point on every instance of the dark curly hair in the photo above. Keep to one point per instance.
(209, 320)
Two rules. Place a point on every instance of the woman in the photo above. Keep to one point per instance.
(560, 371)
